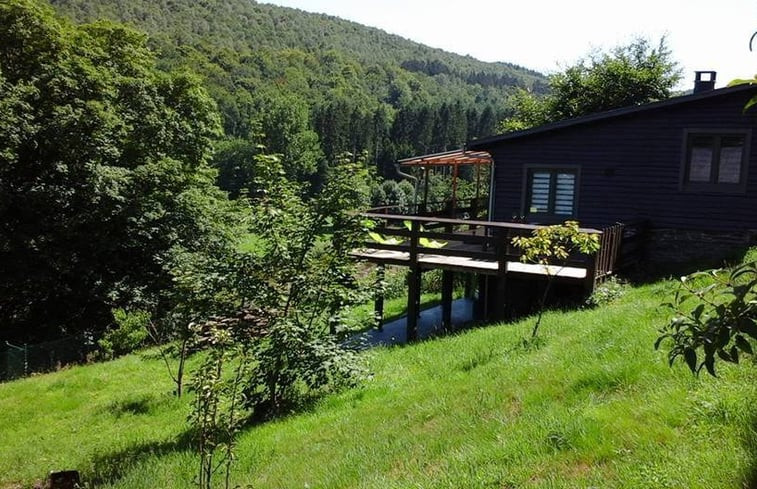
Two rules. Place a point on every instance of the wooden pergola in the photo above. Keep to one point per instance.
(453, 159)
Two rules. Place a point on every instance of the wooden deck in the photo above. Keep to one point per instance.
(483, 248)
(463, 264)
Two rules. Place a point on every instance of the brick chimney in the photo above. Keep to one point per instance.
(704, 81)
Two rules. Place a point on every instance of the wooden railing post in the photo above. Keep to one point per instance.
(592, 264)
(378, 305)
(414, 284)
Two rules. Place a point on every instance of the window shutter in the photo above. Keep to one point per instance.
(564, 192)
(731, 151)
(540, 184)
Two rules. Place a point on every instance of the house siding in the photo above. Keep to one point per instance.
(630, 167)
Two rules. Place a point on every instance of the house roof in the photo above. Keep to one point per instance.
(599, 116)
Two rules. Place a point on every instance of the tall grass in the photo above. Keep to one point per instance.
(589, 405)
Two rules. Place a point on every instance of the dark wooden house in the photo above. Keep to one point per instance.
(686, 165)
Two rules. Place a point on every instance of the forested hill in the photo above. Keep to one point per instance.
(358, 88)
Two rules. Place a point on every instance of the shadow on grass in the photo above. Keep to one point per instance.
(646, 273)
(140, 405)
(111, 467)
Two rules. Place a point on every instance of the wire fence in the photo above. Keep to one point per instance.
(18, 361)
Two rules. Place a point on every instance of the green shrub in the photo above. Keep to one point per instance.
(715, 316)
(128, 334)
(608, 291)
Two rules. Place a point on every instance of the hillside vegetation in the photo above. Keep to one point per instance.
(360, 90)
(593, 405)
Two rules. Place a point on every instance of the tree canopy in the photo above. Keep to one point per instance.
(103, 172)
(313, 87)
(634, 74)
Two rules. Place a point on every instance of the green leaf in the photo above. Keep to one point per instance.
(734, 354)
(725, 356)
(750, 328)
(709, 363)
(743, 344)
(697, 312)
(742, 81)
(690, 356)
(383, 239)
(430, 243)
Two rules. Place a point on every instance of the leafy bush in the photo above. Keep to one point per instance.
(129, 333)
(608, 291)
(395, 282)
(296, 364)
(715, 311)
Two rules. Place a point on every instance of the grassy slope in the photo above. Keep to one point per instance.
(593, 406)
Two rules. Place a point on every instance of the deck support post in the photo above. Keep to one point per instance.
(414, 285)
(447, 286)
(501, 294)
(378, 304)
(425, 190)
(591, 272)
(501, 298)
(453, 211)
(482, 304)
(474, 205)
(468, 285)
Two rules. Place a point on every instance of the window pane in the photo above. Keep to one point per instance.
(540, 192)
(700, 159)
(564, 192)
(731, 151)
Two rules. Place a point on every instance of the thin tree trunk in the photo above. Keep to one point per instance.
(542, 304)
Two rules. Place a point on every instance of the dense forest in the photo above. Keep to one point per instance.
(313, 87)
(119, 118)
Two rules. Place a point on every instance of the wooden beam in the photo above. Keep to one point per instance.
(414, 285)
(501, 297)
(454, 190)
(447, 286)
(482, 304)
(425, 190)
(378, 305)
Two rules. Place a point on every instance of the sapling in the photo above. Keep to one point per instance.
(552, 246)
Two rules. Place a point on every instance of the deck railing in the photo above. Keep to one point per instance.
(609, 248)
(492, 241)
(483, 240)
(473, 208)
(481, 247)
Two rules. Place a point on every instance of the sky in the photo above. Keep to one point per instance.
(549, 35)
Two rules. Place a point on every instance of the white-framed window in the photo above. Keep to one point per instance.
(715, 161)
(551, 191)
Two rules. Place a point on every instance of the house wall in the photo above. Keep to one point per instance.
(630, 168)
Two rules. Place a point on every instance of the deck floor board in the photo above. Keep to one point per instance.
(489, 267)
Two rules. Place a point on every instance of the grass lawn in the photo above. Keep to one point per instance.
(593, 405)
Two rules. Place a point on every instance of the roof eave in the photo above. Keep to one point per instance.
(481, 143)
